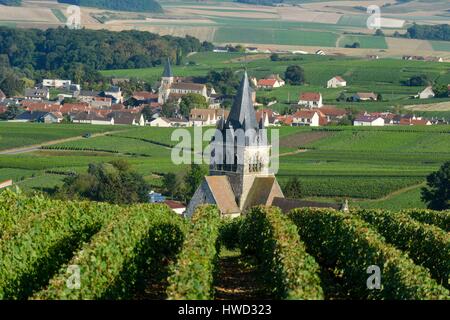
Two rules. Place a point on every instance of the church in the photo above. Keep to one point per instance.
(239, 173)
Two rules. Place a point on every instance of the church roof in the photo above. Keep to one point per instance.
(242, 114)
(223, 194)
(262, 192)
(167, 70)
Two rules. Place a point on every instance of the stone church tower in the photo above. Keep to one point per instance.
(239, 169)
(166, 81)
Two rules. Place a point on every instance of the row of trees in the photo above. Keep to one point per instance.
(123, 5)
(79, 54)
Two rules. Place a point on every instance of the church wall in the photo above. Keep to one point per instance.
(202, 196)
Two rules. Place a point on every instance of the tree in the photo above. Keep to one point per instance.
(441, 91)
(190, 101)
(112, 182)
(379, 97)
(379, 32)
(193, 179)
(275, 57)
(418, 81)
(171, 185)
(294, 75)
(437, 193)
(293, 188)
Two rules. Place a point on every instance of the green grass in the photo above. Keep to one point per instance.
(440, 45)
(14, 135)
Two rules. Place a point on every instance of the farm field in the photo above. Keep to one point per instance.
(166, 257)
(338, 163)
(384, 76)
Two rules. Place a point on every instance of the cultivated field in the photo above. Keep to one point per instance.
(342, 163)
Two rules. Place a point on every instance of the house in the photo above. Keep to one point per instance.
(311, 100)
(127, 118)
(320, 53)
(251, 50)
(176, 206)
(413, 121)
(368, 120)
(40, 106)
(220, 49)
(427, 93)
(271, 82)
(332, 114)
(74, 108)
(207, 117)
(336, 82)
(266, 117)
(115, 93)
(434, 59)
(2, 96)
(30, 116)
(169, 122)
(101, 102)
(56, 83)
(37, 94)
(373, 57)
(53, 117)
(365, 96)
(144, 97)
(306, 117)
(117, 81)
(244, 179)
(284, 120)
(87, 95)
(91, 118)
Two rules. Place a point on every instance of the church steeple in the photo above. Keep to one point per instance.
(242, 114)
(167, 70)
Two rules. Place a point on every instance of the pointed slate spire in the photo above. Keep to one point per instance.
(242, 114)
(167, 70)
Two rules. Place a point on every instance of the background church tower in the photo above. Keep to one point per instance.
(250, 155)
(166, 81)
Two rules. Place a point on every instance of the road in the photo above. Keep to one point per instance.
(49, 143)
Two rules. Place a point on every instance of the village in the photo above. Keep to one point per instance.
(145, 108)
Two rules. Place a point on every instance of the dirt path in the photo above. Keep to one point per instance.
(397, 192)
(237, 280)
(293, 152)
(49, 143)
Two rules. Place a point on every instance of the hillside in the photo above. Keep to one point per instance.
(122, 5)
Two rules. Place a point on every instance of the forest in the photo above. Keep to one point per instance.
(78, 54)
(428, 32)
(123, 5)
(11, 2)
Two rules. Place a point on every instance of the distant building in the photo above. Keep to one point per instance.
(427, 93)
(53, 117)
(115, 93)
(365, 96)
(91, 118)
(311, 100)
(312, 118)
(30, 116)
(169, 122)
(333, 114)
(220, 49)
(207, 117)
(56, 83)
(320, 52)
(336, 82)
(37, 94)
(176, 206)
(127, 118)
(368, 120)
(270, 82)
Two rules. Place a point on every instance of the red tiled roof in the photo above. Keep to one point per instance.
(144, 95)
(266, 82)
(174, 204)
(310, 96)
(307, 114)
(332, 111)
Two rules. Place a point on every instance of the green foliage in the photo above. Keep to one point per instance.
(439, 219)
(112, 182)
(229, 233)
(418, 81)
(225, 82)
(293, 188)
(120, 255)
(348, 244)
(42, 239)
(193, 179)
(289, 271)
(11, 2)
(193, 275)
(190, 101)
(426, 245)
(437, 193)
(122, 5)
(294, 75)
(429, 32)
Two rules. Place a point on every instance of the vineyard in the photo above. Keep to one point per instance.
(84, 250)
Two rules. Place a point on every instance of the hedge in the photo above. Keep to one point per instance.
(426, 244)
(191, 278)
(273, 239)
(39, 244)
(440, 219)
(229, 233)
(117, 258)
(347, 243)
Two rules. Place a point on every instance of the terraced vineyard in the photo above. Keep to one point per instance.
(83, 250)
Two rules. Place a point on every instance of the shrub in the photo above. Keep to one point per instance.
(440, 219)
(193, 275)
(426, 245)
(120, 254)
(287, 268)
(229, 233)
(348, 243)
